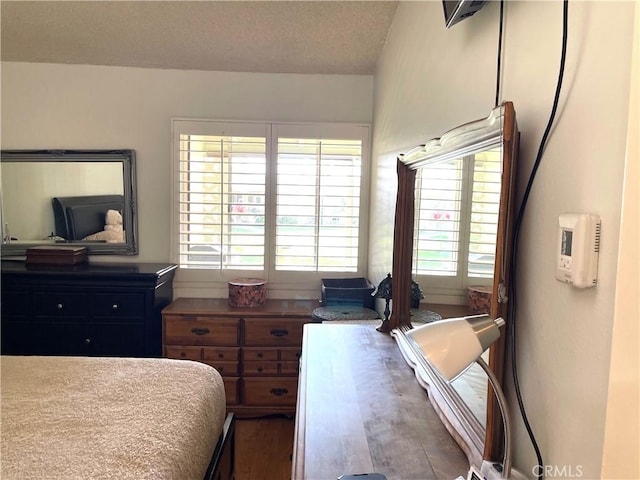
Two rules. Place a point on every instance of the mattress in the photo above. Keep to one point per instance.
(108, 418)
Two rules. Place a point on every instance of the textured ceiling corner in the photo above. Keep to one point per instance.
(319, 37)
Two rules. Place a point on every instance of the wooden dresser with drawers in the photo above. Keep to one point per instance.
(257, 350)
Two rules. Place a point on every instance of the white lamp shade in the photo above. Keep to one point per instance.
(451, 346)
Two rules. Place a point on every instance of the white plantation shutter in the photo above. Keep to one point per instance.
(437, 230)
(222, 183)
(456, 218)
(283, 199)
(484, 214)
(318, 204)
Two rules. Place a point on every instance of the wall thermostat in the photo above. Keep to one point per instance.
(578, 249)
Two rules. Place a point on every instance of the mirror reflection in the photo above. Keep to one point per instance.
(452, 230)
(472, 388)
(33, 209)
(75, 197)
(456, 206)
(457, 202)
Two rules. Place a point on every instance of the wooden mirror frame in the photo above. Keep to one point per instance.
(129, 214)
(499, 128)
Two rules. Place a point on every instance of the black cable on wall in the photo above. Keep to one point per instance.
(499, 62)
(516, 234)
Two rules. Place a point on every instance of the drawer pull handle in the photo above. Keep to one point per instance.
(87, 341)
(200, 331)
(279, 332)
(59, 306)
(260, 355)
(183, 354)
(221, 355)
(114, 306)
(259, 369)
(279, 391)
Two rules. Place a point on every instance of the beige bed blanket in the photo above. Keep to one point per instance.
(108, 418)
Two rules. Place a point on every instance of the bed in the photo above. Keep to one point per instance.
(83, 217)
(113, 418)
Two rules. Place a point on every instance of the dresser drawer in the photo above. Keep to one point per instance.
(224, 359)
(290, 354)
(259, 354)
(289, 368)
(183, 353)
(61, 304)
(260, 368)
(117, 305)
(187, 330)
(273, 331)
(226, 369)
(231, 390)
(221, 354)
(117, 339)
(272, 391)
(73, 338)
(214, 357)
(15, 303)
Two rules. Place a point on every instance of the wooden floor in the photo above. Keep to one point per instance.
(264, 448)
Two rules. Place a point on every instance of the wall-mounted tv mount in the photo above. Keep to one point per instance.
(457, 10)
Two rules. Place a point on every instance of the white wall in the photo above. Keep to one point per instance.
(82, 106)
(620, 458)
(430, 79)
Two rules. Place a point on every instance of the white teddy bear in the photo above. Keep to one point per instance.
(113, 221)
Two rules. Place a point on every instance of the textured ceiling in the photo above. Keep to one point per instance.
(332, 37)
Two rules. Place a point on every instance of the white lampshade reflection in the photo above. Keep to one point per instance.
(452, 345)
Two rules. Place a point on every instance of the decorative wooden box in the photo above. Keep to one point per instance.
(247, 292)
(56, 255)
(479, 300)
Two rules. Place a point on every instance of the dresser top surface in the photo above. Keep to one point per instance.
(360, 404)
(89, 269)
(204, 306)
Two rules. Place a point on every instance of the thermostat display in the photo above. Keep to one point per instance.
(578, 249)
(567, 239)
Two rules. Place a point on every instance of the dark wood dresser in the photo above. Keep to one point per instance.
(87, 309)
(257, 350)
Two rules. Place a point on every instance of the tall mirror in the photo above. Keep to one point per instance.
(467, 405)
(69, 197)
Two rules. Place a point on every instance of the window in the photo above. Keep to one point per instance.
(318, 204)
(222, 209)
(456, 220)
(269, 198)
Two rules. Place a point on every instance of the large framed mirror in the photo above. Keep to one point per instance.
(466, 406)
(69, 197)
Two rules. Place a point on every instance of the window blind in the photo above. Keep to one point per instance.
(318, 204)
(222, 181)
(456, 217)
(484, 214)
(438, 210)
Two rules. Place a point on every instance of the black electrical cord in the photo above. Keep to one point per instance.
(516, 234)
(499, 54)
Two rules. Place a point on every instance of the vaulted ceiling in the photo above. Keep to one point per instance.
(299, 36)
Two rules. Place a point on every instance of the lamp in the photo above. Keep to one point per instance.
(451, 346)
(385, 291)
